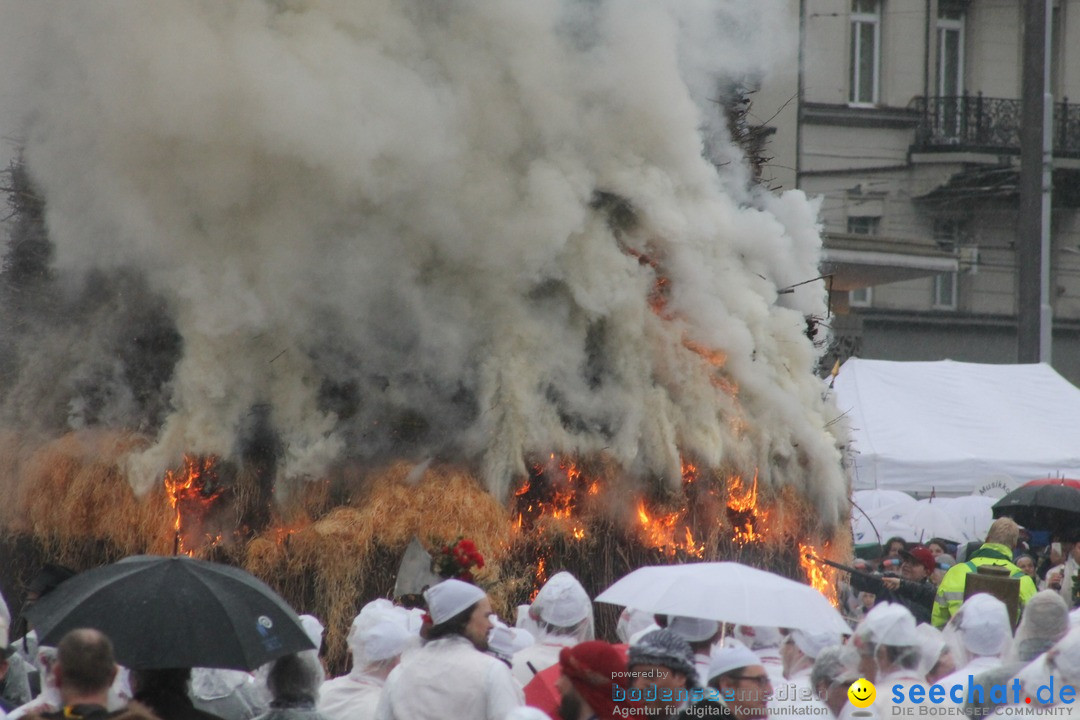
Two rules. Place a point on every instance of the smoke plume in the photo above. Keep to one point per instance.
(410, 228)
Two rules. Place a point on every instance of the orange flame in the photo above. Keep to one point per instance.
(817, 573)
(191, 496)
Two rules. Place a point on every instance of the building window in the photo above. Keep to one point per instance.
(949, 233)
(865, 51)
(863, 297)
(950, 79)
(945, 291)
(863, 225)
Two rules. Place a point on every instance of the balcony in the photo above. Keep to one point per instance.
(973, 123)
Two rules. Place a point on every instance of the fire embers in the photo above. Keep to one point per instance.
(703, 520)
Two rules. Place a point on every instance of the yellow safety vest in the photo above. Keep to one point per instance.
(950, 594)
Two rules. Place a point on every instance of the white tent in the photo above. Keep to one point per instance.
(955, 428)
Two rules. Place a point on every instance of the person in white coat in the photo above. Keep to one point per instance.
(979, 635)
(378, 637)
(798, 651)
(889, 655)
(560, 616)
(451, 676)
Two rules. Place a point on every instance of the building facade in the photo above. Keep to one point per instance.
(906, 125)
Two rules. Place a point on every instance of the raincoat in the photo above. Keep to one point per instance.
(449, 678)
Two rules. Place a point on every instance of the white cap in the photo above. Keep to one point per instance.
(313, 629)
(984, 625)
(732, 655)
(812, 643)
(562, 601)
(370, 640)
(450, 597)
(692, 629)
(384, 640)
(889, 624)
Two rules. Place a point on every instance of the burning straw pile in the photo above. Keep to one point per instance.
(337, 545)
(519, 240)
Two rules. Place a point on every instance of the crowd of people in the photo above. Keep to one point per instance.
(918, 635)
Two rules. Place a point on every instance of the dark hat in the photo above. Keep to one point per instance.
(920, 554)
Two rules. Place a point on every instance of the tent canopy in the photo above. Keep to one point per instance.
(957, 428)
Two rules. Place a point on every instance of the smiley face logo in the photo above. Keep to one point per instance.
(862, 693)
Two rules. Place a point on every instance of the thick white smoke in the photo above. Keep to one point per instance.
(435, 226)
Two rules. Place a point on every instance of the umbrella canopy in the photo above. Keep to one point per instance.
(973, 514)
(870, 500)
(174, 612)
(727, 592)
(1046, 504)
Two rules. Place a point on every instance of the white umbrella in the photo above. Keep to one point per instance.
(972, 514)
(880, 525)
(871, 500)
(727, 592)
(926, 520)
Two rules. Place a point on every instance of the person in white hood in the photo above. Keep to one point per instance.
(378, 637)
(561, 616)
(451, 676)
(979, 635)
(889, 654)
(798, 651)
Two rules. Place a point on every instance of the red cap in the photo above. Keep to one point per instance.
(922, 555)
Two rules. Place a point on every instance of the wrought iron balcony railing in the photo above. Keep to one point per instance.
(974, 122)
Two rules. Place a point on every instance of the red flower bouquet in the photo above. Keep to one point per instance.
(458, 560)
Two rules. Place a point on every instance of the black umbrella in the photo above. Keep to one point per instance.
(174, 612)
(1046, 504)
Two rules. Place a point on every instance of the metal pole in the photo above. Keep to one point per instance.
(1033, 258)
(1046, 332)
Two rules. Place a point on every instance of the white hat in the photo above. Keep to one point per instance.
(562, 601)
(450, 597)
(984, 625)
(732, 655)
(313, 629)
(812, 643)
(370, 640)
(692, 629)
(889, 624)
(384, 640)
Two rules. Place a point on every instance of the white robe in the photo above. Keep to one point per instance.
(541, 656)
(351, 697)
(449, 678)
(978, 664)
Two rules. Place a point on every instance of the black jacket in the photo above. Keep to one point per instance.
(918, 597)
